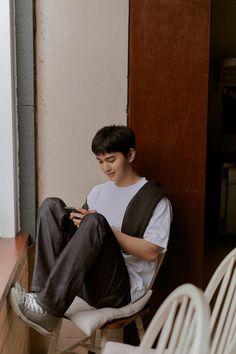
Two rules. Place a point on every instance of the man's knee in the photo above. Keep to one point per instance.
(92, 219)
(95, 222)
(51, 202)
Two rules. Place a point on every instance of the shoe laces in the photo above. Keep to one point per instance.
(31, 303)
(22, 294)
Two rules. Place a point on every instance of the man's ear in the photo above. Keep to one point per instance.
(131, 155)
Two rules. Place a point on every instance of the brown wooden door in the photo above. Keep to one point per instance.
(168, 90)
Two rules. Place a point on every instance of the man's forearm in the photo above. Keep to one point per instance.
(136, 246)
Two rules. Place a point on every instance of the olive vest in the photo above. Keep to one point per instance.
(140, 209)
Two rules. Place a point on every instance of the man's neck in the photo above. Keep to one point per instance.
(129, 180)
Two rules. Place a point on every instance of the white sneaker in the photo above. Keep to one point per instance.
(27, 308)
(23, 291)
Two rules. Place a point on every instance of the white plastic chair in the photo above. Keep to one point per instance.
(180, 325)
(89, 319)
(221, 295)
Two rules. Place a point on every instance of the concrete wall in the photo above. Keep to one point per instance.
(81, 63)
(24, 22)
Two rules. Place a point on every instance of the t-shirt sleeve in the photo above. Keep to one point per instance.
(158, 229)
(91, 197)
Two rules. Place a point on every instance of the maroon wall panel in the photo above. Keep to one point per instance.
(168, 90)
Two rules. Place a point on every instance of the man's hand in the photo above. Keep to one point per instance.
(77, 216)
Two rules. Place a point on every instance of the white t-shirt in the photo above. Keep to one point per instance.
(111, 201)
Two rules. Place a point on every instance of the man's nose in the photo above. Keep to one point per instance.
(106, 167)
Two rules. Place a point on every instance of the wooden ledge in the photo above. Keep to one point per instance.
(11, 252)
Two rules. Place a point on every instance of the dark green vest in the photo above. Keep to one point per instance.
(140, 209)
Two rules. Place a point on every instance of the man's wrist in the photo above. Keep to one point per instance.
(116, 231)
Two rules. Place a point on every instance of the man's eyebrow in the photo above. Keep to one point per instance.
(106, 158)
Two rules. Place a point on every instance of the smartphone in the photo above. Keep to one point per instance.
(70, 209)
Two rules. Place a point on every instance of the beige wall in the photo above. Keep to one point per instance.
(82, 48)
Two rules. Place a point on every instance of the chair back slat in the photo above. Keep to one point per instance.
(229, 325)
(189, 337)
(167, 328)
(223, 325)
(232, 331)
(181, 324)
(221, 295)
(158, 266)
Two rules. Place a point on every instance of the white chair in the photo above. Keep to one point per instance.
(89, 319)
(221, 295)
(232, 348)
(180, 325)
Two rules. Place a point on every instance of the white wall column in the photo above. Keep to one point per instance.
(81, 61)
(8, 185)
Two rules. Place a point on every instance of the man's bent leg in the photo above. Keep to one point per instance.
(54, 229)
(107, 284)
(91, 261)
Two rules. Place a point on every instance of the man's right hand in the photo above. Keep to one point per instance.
(77, 215)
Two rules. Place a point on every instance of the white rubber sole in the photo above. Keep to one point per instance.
(16, 309)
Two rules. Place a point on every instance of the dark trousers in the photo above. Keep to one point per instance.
(70, 261)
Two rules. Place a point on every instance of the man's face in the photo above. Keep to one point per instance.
(115, 166)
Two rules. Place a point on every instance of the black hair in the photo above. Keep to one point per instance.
(113, 138)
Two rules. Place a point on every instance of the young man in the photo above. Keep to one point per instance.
(104, 252)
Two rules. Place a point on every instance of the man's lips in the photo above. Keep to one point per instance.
(110, 174)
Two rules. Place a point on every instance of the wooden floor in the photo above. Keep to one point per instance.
(69, 334)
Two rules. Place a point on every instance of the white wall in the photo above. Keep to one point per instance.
(82, 53)
(8, 168)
